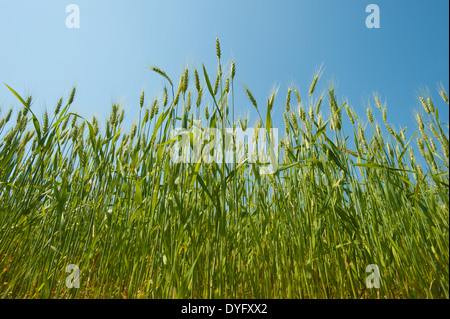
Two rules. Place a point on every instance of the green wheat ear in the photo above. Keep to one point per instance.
(313, 85)
(227, 85)
(288, 100)
(252, 99)
(146, 116)
(297, 96)
(155, 108)
(71, 97)
(161, 72)
(199, 97)
(180, 88)
(431, 105)
(188, 102)
(218, 53)
(165, 98)
(377, 103)
(369, 115)
(58, 106)
(233, 70)
(185, 81)
(319, 103)
(218, 77)
(443, 95)
(141, 100)
(197, 80)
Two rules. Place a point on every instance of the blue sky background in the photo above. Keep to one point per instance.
(274, 44)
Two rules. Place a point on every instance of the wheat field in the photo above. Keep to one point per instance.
(139, 225)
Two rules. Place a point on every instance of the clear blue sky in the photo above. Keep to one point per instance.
(274, 43)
